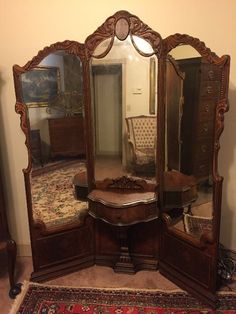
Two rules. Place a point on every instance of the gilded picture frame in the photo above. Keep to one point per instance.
(40, 86)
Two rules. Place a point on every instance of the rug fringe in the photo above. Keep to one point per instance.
(107, 288)
(26, 284)
(19, 298)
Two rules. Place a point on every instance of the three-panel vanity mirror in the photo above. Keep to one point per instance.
(123, 135)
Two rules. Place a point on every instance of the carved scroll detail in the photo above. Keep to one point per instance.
(126, 183)
(68, 46)
(173, 41)
(136, 28)
(21, 109)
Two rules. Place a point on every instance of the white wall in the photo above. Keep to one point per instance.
(135, 75)
(28, 26)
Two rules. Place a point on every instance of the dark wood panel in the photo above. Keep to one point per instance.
(144, 239)
(106, 240)
(188, 260)
(143, 243)
(63, 246)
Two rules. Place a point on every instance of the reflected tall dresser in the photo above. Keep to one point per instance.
(198, 120)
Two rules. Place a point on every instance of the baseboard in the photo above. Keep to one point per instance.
(24, 250)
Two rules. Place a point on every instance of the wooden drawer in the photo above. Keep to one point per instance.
(206, 109)
(210, 89)
(123, 216)
(202, 169)
(205, 129)
(203, 149)
(209, 72)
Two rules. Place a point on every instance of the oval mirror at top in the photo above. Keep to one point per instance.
(192, 94)
(53, 94)
(124, 97)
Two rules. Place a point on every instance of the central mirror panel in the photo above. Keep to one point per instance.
(123, 85)
(124, 98)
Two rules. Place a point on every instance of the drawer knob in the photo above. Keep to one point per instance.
(209, 89)
(211, 74)
(206, 108)
(203, 148)
(205, 128)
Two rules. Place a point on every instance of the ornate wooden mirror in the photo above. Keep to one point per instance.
(132, 123)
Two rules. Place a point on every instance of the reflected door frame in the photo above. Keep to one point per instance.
(122, 63)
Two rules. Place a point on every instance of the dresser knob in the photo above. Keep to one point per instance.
(203, 148)
(209, 89)
(205, 128)
(201, 167)
(211, 74)
(206, 108)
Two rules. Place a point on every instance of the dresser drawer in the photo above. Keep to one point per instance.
(203, 149)
(210, 89)
(206, 109)
(202, 169)
(209, 72)
(123, 216)
(205, 129)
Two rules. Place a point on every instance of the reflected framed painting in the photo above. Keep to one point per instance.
(40, 86)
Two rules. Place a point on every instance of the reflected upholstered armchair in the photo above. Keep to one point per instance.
(141, 138)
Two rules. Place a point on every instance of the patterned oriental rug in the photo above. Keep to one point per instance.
(53, 199)
(43, 299)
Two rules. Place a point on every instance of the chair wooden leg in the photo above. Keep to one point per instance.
(11, 255)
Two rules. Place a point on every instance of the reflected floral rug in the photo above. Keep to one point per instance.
(53, 197)
(43, 299)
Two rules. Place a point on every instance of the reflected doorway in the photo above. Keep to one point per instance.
(107, 82)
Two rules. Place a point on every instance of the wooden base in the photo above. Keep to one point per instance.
(62, 269)
(127, 249)
(185, 283)
(124, 263)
